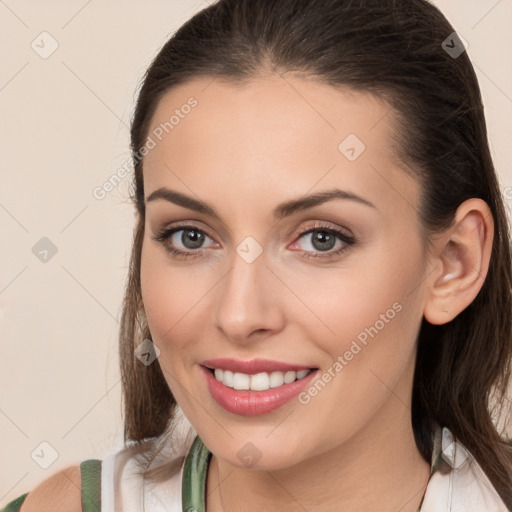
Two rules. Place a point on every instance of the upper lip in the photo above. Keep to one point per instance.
(254, 366)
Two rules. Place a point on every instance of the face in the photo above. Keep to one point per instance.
(312, 300)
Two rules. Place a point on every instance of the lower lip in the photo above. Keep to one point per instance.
(254, 403)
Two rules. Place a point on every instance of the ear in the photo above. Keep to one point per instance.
(461, 260)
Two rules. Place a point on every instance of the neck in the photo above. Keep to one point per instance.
(376, 469)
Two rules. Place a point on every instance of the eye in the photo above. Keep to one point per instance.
(323, 241)
(320, 241)
(183, 241)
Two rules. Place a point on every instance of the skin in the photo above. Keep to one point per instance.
(244, 149)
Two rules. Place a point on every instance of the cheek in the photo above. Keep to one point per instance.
(370, 316)
(373, 319)
(364, 298)
(176, 302)
(167, 294)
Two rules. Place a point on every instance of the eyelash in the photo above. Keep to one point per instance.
(163, 235)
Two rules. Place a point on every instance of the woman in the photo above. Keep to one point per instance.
(321, 274)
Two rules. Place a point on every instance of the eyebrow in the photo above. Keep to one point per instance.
(282, 210)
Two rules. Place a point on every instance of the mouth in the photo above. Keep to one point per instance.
(260, 389)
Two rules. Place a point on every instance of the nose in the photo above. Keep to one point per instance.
(249, 302)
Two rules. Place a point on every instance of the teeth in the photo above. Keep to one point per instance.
(241, 381)
(302, 373)
(259, 381)
(227, 378)
(276, 379)
(289, 377)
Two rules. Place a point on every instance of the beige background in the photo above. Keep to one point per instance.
(64, 131)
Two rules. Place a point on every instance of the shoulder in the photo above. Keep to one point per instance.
(59, 492)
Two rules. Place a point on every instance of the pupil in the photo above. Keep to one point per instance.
(192, 239)
(323, 240)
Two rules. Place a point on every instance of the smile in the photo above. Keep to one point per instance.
(250, 388)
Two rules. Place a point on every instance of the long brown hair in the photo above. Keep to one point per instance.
(395, 49)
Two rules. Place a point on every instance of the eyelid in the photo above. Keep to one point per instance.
(185, 224)
(318, 225)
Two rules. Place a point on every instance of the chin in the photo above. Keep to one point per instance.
(260, 454)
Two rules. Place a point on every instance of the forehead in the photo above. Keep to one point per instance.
(279, 135)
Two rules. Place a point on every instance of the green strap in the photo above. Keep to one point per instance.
(15, 505)
(194, 477)
(90, 471)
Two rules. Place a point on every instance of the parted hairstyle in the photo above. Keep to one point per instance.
(396, 50)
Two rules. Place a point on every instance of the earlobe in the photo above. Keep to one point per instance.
(462, 256)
